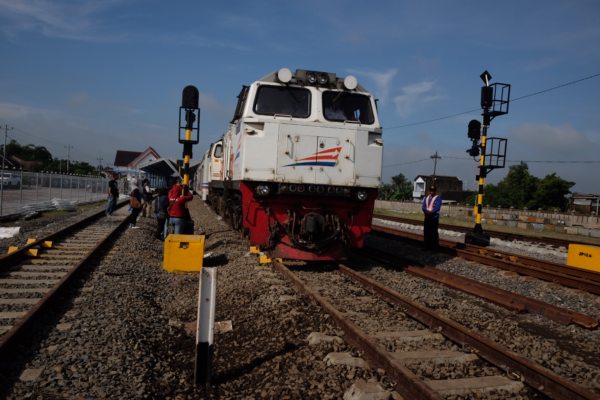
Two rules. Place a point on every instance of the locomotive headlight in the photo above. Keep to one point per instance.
(350, 82)
(361, 195)
(284, 75)
(323, 79)
(311, 77)
(262, 190)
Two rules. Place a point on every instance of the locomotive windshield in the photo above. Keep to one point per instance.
(278, 100)
(344, 106)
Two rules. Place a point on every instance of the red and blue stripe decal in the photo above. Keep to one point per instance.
(323, 158)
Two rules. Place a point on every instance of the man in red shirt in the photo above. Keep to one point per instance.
(179, 215)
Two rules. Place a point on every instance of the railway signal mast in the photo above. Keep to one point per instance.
(191, 114)
(491, 151)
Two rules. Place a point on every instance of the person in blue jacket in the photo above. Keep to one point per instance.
(431, 208)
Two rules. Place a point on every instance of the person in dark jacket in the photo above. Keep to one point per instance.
(135, 203)
(161, 204)
(146, 198)
(113, 194)
(431, 208)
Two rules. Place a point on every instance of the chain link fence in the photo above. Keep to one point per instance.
(24, 192)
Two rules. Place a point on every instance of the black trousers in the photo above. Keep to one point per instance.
(430, 231)
(134, 215)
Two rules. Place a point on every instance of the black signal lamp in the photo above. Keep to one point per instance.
(189, 116)
(487, 96)
(474, 150)
(189, 97)
(474, 129)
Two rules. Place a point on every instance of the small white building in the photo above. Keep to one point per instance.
(444, 184)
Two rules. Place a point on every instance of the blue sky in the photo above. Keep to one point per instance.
(105, 75)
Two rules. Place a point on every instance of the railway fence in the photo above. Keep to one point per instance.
(585, 225)
(33, 191)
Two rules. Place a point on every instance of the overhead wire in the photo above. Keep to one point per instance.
(427, 121)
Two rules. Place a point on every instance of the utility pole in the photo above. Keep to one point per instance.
(435, 157)
(6, 129)
(68, 147)
(100, 159)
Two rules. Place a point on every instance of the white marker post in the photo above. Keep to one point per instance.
(205, 325)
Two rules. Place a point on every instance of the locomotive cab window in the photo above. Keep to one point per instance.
(218, 150)
(278, 100)
(344, 106)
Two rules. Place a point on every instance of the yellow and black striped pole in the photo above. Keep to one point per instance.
(482, 175)
(478, 236)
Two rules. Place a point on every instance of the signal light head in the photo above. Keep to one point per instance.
(474, 130)
(474, 150)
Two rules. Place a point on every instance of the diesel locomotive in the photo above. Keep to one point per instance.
(299, 166)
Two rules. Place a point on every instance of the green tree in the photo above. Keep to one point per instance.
(399, 189)
(551, 193)
(520, 189)
(519, 186)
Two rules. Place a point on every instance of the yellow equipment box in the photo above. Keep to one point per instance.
(183, 253)
(583, 256)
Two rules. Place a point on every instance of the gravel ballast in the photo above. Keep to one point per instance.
(129, 332)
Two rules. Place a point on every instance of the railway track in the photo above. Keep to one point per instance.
(428, 355)
(29, 285)
(576, 278)
(496, 234)
(507, 299)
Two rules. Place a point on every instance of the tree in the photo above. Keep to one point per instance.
(552, 192)
(520, 189)
(399, 189)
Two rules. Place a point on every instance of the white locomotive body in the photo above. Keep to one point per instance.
(302, 164)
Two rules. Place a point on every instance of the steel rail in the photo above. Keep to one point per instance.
(18, 331)
(505, 298)
(496, 234)
(567, 276)
(533, 374)
(409, 385)
(21, 254)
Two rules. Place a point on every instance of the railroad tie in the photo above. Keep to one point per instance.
(410, 336)
(479, 385)
(434, 356)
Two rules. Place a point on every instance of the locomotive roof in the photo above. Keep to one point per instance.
(335, 82)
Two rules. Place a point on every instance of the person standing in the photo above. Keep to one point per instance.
(146, 198)
(113, 194)
(179, 215)
(161, 204)
(431, 208)
(135, 203)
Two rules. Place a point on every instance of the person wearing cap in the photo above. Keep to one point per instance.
(431, 208)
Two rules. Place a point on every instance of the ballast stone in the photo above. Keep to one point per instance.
(316, 338)
(362, 390)
(345, 359)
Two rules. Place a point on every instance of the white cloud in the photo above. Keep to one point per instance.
(414, 96)
(67, 20)
(557, 142)
(381, 80)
